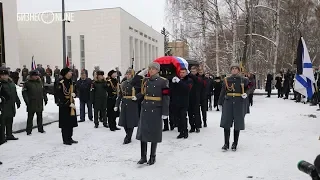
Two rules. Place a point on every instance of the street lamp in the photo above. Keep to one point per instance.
(64, 36)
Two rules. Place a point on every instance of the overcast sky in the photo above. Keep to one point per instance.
(150, 12)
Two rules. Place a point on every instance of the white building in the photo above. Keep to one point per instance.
(9, 46)
(106, 37)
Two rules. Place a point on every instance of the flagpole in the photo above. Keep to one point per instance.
(63, 35)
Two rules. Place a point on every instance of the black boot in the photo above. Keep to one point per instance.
(143, 153)
(0, 162)
(166, 125)
(192, 130)
(152, 159)
(205, 124)
(236, 138)
(11, 137)
(181, 135)
(226, 139)
(185, 134)
(197, 130)
(127, 139)
(96, 125)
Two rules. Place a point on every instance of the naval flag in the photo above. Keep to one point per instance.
(304, 77)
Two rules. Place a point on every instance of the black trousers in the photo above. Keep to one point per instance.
(251, 99)
(67, 134)
(2, 130)
(8, 121)
(30, 121)
(180, 114)
(280, 93)
(210, 101)
(100, 114)
(194, 116)
(204, 109)
(112, 119)
(172, 117)
(269, 93)
(48, 79)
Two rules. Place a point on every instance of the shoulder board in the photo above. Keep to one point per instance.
(62, 81)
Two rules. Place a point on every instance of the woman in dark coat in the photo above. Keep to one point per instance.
(129, 114)
(112, 89)
(279, 84)
(216, 91)
(269, 84)
(67, 110)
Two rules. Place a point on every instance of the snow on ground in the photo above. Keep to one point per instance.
(278, 135)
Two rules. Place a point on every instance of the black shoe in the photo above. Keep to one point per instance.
(225, 147)
(218, 110)
(74, 142)
(205, 124)
(105, 125)
(192, 130)
(81, 121)
(28, 133)
(181, 135)
(142, 160)
(172, 127)
(197, 130)
(67, 143)
(91, 119)
(0, 163)
(41, 131)
(185, 135)
(165, 129)
(96, 125)
(152, 160)
(234, 147)
(112, 129)
(116, 128)
(2, 142)
(126, 140)
(12, 138)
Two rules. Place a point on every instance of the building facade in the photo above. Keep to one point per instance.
(9, 35)
(108, 38)
(179, 48)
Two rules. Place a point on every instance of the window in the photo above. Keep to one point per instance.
(135, 30)
(130, 28)
(69, 49)
(141, 34)
(82, 53)
(145, 36)
(149, 37)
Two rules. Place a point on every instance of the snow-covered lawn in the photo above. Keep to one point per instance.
(278, 135)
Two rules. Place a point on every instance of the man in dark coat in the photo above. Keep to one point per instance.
(15, 76)
(209, 89)
(56, 74)
(112, 89)
(129, 114)
(83, 92)
(251, 88)
(25, 73)
(42, 72)
(194, 101)
(75, 74)
(269, 84)
(34, 95)
(4, 96)
(203, 96)
(180, 101)
(83, 70)
(279, 84)
(9, 107)
(287, 84)
(216, 92)
(67, 110)
(48, 74)
(154, 108)
(234, 105)
(99, 98)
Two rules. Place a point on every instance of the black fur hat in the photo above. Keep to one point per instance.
(100, 73)
(34, 73)
(65, 71)
(111, 72)
(4, 71)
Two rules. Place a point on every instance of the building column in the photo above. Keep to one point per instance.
(142, 63)
(146, 55)
(136, 55)
(150, 54)
(131, 51)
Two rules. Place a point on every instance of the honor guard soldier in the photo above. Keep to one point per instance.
(34, 96)
(112, 88)
(99, 97)
(67, 109)
(129, 114)
(234, 107)
(154, 108)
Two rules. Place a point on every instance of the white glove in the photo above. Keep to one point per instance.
(143, 72)
(134, 98)
(244, 95)
(73, 95)
(0, 100)
(174, 80)
(220, 107)
(72, 106)
(115, 108)
(177, 80)
(164, 117)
